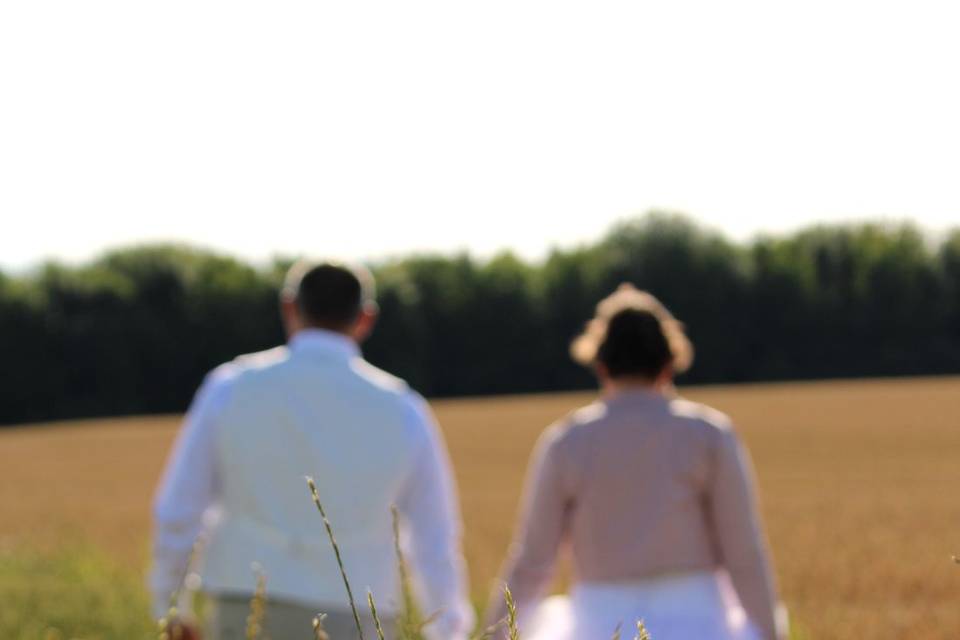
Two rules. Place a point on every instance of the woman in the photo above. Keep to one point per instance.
(653, 495)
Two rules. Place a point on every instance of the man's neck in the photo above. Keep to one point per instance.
(308, 329)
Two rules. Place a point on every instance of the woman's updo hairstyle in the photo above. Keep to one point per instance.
(633, 334)
(634, 345)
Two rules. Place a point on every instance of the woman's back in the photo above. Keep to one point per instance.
(641, 470)
(646, 490)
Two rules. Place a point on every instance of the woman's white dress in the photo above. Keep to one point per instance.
(697, 606)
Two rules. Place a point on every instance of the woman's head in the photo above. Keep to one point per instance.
(633, 335)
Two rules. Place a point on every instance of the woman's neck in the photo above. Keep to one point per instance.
(612, 387)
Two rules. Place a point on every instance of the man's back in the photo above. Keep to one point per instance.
(314, 409)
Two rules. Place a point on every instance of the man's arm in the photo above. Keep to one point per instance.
(428, 503)
(186, 490)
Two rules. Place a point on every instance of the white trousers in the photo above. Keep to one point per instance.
(699, 606)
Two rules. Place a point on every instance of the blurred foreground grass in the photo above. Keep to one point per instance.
(75, 592)
(857, 483)
(80, 593)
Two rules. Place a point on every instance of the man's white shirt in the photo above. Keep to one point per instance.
(235, 481)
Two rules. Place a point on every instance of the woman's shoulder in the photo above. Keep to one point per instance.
(573, 426)
(700, 415)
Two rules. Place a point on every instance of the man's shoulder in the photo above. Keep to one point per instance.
(255, 372)
(233, 371)
(260, 359)
(380, 380)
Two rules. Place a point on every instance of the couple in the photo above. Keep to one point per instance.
(652, 494)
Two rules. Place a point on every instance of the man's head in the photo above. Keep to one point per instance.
(331, 296)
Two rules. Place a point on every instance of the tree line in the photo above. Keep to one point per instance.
(135, 330)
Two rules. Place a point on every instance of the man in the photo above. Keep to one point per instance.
(258, 425)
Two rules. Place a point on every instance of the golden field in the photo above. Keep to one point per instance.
(858, 481)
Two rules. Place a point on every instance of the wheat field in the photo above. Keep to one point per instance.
(858, 483)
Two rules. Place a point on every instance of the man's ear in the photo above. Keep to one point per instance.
(290, 314)
(365, 323)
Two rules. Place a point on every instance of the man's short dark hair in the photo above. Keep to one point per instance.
(329, 295)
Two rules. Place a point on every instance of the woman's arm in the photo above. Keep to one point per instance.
(541, 527)
(741, 540)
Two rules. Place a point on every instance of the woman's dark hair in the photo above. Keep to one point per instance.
(634, 345)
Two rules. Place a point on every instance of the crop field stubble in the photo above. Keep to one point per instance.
(858, 483)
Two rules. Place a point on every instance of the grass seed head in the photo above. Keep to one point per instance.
(319, 633)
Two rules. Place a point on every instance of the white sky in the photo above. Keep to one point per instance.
(359, 129)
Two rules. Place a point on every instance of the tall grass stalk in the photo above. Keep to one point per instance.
(170, 629)
(410, 622)
(642, 633)
(373, 612)
(336, 551)
(258, 606)
(512, 628)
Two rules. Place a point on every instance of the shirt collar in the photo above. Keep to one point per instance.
(637, 396)
(322, 341)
